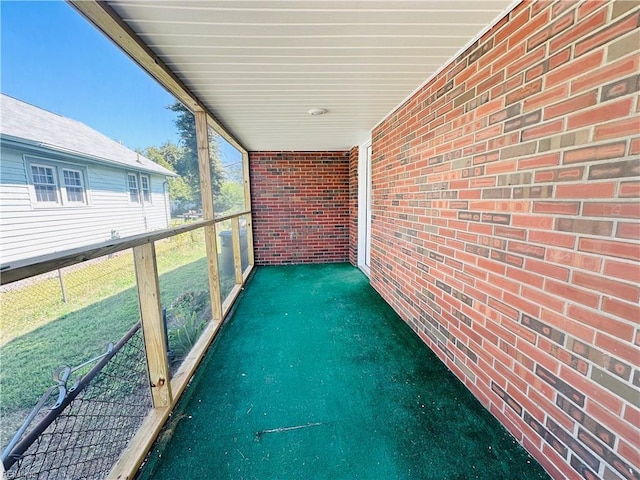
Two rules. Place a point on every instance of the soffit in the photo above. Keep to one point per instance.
(259, 66)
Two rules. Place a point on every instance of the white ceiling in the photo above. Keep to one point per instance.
(260, 65)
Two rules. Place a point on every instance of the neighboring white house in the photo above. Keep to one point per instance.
(64, 185)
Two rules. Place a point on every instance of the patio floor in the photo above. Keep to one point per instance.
(316, 377)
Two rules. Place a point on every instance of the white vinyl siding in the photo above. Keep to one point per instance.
(29, 229)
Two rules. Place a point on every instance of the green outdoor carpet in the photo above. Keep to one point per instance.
(315, 377)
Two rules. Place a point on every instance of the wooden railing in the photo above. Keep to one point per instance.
(165, 389)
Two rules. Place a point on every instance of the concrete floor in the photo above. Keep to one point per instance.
(315, 377)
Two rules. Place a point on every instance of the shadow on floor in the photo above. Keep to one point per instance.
(316, 377)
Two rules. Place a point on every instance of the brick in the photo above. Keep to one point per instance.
(574, 294)
(571, 105)
(628, 230)
(586, 190)
(601, 114)
(573, 259)
(544, 130)
(617, 348)
(627, 168)
(587, 8)
(616, 71)
(559, 175)
(540, 298)
(523, 121)
(578, 31)
(524, 92)
(518, 150)
(620, 88)
(629, 190)
(611, 383)
(589, 227)
(543, 329)
(613, 31)
(547, 270)
(599, 152)
(610, 248)
(583, 64)
(601, 323)
(620, 7)
(526, 61)
(605, 417)
(568, 325)
(622, 270)
(505, 114)
(564, 388)
(548, 96)
(624, 46)
(610, 209)
(606, 285)
(550, 159)
(617, 129)
(551, 31)
(621, 309)
(527, 249)
(551, 238)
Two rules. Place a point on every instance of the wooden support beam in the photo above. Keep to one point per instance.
(237, 249)
(208, 213)
(152, 325)
(247, 206)
(132, 457)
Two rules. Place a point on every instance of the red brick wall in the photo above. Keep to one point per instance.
(353, 206)
(506, 228)
(300, 203)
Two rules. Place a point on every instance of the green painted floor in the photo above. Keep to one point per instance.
(315, 377)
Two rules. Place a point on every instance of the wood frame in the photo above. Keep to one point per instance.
(31, 267)
(153, 330)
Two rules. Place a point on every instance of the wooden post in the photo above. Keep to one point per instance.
(144, 257)
(237, 249)
(62, 289)
(206, 191)
(247, 206)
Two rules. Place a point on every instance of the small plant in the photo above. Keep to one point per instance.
(184, 337)
(186, 319)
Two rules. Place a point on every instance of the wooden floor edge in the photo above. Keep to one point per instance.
(132, 457)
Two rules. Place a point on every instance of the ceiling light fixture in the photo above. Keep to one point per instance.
(317, 112)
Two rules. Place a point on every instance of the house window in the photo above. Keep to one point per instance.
(73, 185)
(134, 192)
(145, 184)
(44, 184)
(56, 184)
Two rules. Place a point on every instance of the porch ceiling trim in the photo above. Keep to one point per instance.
(257, 66)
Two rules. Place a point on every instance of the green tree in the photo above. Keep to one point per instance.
(187, 167)
(171, 156)
(230, 199)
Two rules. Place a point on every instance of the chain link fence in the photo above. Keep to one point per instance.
(82, 435)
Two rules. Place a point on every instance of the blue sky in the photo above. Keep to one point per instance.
(53, 58)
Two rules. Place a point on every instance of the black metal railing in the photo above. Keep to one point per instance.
(92, 418)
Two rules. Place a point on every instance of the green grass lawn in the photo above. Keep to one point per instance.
(41, 333)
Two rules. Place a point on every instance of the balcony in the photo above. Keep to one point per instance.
(486, 323)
